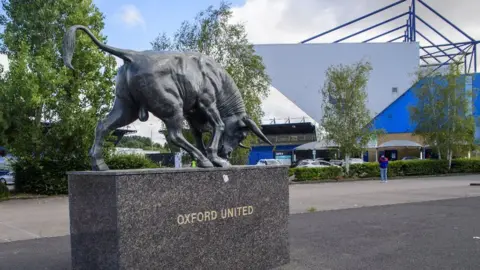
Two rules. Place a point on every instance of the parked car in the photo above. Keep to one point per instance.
(356, 161)
(267, 162)
(338, 162)
(8, 179)
(409, 158)
(341, 162)
(308, 163)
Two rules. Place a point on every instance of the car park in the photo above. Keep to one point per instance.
(268, 162)
(7, 179)
(309, 163)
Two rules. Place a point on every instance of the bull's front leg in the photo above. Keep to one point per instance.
(218, 129)
(175, 135)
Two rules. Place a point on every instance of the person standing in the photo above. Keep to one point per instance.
(383, 161)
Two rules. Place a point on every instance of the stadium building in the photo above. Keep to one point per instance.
(298, 72)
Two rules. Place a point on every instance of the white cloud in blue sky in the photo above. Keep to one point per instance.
(131, 16)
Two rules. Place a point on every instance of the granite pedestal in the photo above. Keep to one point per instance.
(221, 218)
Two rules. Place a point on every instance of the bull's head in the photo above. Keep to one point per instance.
(236, 130)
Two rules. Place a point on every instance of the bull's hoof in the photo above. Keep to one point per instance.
(205, 164)
(99, 165)
(220, 162)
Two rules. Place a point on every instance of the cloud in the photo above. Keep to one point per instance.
(131, 16)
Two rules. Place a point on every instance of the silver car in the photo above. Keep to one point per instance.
(308, 163)
(7, 179)
(267, 162)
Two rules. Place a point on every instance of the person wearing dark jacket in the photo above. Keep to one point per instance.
(383, 161)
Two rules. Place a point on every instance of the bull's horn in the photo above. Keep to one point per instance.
(253, 127)
(243, 146)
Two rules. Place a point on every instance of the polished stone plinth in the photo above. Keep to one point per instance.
(192, 218)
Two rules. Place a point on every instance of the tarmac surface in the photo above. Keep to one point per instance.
(37, 218)
(429, 235)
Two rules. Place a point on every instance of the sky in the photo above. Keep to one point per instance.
(134, 24)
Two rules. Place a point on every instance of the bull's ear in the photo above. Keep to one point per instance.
(254, 128)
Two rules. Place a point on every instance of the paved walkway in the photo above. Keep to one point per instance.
(29, 219)
(333, 196)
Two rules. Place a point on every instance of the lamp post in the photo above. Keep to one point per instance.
(151, 136)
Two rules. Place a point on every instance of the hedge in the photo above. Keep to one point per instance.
(4, 192)
(49, 178)
(395, 169)
(130, 161)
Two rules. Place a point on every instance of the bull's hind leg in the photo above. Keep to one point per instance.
(197, 135)
(122, 114)
(175, 135)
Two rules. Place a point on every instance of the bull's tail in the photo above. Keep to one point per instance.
(69, 46)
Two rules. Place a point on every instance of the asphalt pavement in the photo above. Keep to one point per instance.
(48, 217)
(442, 234)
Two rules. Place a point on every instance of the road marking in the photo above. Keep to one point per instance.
(21, 230)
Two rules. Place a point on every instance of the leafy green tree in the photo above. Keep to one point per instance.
(346, 119)
(212, 34)
(443, 115)
(50, 112)
(144, 143)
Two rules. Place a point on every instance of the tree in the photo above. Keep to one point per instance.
(442, 114)
(346, 119)
(144, 143)
(50, 111)
(212, 34)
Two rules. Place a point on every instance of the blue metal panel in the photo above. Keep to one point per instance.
(259, 152)
(476, 105)
(396, 118)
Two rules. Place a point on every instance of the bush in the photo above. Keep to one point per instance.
(395, 169)
(48, 177)
(363, 170)
(129, 161)
(44, 176)
(308, 174)
(464, 165)
(4, 192)
(424, 167)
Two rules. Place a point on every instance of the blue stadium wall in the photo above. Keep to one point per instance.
(265, 152)
(396, 118)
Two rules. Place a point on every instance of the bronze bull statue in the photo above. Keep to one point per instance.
(173, 86)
